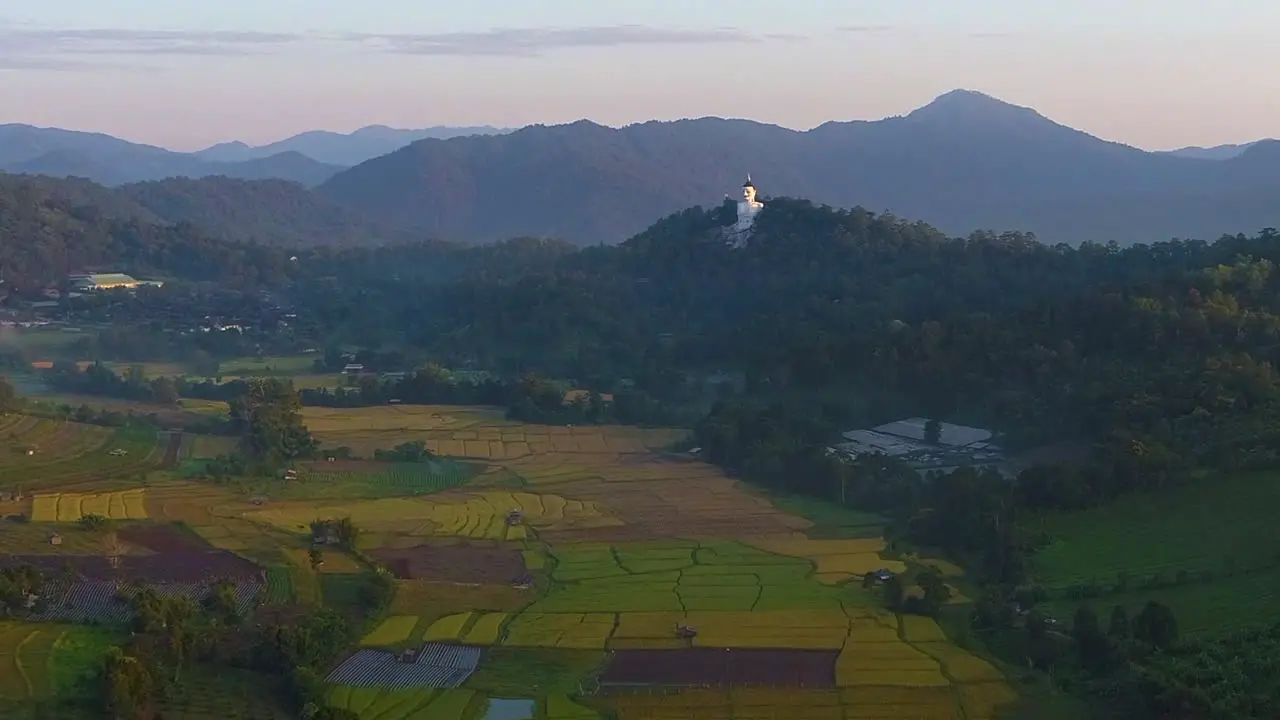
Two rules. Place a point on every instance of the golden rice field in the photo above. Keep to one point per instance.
(633, 544)
(475, 433)
(403, 522)
(835, 561)
(71, 507)
(627, 543)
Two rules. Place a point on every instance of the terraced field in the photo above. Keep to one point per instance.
(627, 546)
(40, 660)
(38, 453)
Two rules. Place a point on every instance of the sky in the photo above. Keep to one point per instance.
(186, 74)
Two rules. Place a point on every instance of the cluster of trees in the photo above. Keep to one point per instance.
(19, 590)
(267, 418)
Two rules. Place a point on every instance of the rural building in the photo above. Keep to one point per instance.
(957, 445)
(575, 396)
(85, 282)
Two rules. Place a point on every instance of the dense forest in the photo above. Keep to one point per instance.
(1154, 362)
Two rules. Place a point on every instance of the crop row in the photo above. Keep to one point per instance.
(104, 601)
(436, 666)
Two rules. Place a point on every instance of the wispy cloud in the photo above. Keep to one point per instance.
(532, 42)
(868, 29)
(23, 46)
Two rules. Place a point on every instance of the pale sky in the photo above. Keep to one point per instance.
(188, 73)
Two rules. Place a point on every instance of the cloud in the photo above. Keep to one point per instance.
(868, 29)
(991, 35)
(532, 42)
(26, 46)
(31, 47)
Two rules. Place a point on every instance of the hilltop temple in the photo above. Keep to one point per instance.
(748, 207)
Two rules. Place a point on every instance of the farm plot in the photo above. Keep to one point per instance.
(729, 704)
(102, 601)
(209, 446)
(685, 577)
(71, 507)
(436, 665)
(370, 479)
(431, 601)
(463, 563)
(409, 704)
(836, 561)
(653, 498)
(180, 566)
(724, 668)
(404, 521)
(71, 455)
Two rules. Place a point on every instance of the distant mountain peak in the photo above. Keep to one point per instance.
(970, 102)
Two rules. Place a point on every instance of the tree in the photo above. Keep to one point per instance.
(165, 391)
(893, 592)
(936, 591)
(8, 397)
(221, 602)
(268, 419)
(932, 431)
(129, 686)
(1092, 647)
(1118, 627)
(346, 532)
(1156, 625)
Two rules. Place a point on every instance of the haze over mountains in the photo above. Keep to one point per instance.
(338, 148)
(308, 158)
(965, 161)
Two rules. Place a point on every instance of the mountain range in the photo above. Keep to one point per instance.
(308, 158)
(341, 149)
(965, 161)
(1217, 152)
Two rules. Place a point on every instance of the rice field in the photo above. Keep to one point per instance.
(479, 515)
(71, 507)
(629, 545)
(350, 480)
(38, 453)
(472, 433)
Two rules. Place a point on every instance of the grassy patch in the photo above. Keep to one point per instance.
(1212, 526)
(830, 521)
(1203, 609)
(379, 480)
(513, 672)
(209, 693)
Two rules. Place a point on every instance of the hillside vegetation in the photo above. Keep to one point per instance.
(964, 162)
(1129, 378)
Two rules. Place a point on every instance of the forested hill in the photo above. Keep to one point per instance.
(964, 162)
(1044, 341)
(267, 212)
(200, 230)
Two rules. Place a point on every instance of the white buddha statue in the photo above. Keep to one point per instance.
(748, 207)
